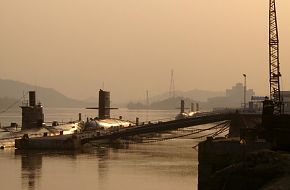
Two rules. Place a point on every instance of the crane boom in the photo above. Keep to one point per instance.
(274, 60)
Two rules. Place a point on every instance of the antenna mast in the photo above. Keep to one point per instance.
(172, 87)
(147, 99)
(274, 64)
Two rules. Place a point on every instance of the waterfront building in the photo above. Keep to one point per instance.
(233, 99)
(285, 96)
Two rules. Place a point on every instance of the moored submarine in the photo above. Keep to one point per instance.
(104, 120)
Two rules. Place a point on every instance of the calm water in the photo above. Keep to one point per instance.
(169, 165)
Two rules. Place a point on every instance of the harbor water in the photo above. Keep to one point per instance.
(169, 165)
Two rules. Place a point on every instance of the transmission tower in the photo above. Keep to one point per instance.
(172, 87)
(274, 59)
(147, 99)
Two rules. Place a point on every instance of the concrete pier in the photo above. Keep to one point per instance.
(217, 154)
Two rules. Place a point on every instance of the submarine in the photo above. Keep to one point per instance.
(104, 120)
(33, 124)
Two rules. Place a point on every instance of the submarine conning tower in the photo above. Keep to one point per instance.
(32, 113)
(104, 104)
(182, 106)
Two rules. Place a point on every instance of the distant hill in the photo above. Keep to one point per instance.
(166, 104)
(49, 97)
(163, 101)
(197, 95)
(171, 103)
(9, 104)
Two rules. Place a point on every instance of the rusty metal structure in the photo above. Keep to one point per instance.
(274, 64)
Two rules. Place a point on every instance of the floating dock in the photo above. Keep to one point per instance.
(60, 142)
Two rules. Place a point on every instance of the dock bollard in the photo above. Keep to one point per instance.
(25, 136)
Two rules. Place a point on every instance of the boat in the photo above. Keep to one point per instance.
(33, 124)
(104, 120)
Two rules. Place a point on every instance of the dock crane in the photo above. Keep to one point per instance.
(274, 64)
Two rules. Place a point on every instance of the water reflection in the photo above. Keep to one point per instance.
(31, 164)
(164, 165)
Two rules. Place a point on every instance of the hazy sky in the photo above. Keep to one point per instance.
(131, 45)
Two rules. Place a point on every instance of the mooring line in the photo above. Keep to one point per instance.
(224, 127)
